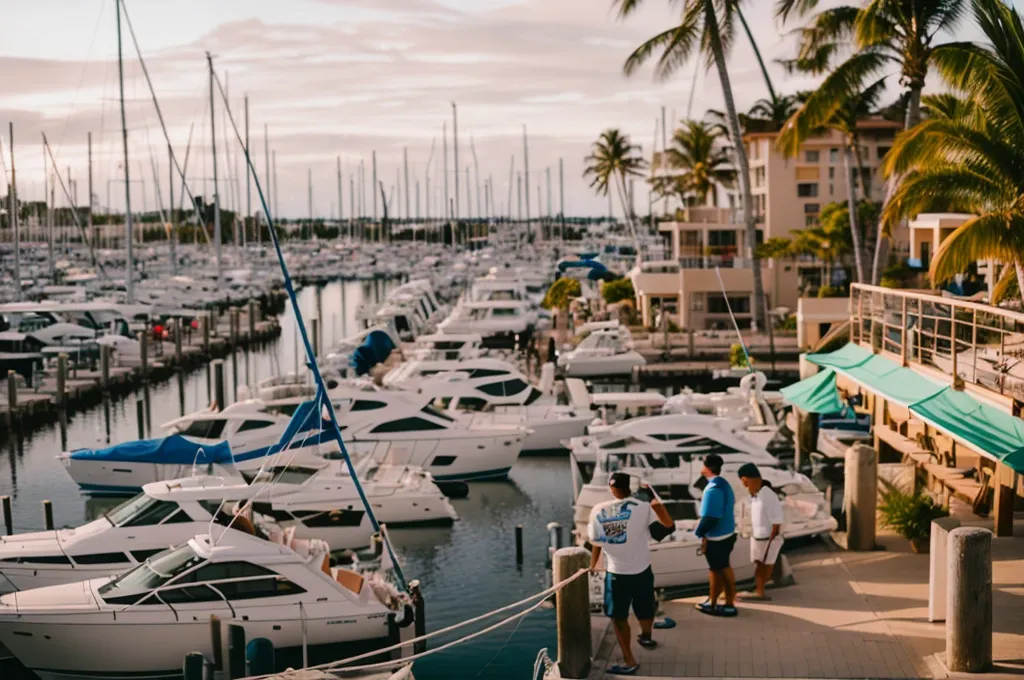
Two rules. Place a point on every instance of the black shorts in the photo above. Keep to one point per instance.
(623, 590)
(717, 553)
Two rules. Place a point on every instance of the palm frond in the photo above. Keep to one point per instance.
(799, 8)
(876, 24)
(990, 236)
(1006, 286)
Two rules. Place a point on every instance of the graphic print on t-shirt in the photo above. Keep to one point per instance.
(614, 522)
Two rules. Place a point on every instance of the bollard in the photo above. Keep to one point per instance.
(217, 644)
(12, 396)
(969, 601)
(219, 396)
(143, 338)
(860, 497)
(48, 515)
(194, 666)
(806, 439)
(236, 651)
(572, 613)
(5, 503)
(316, 338)
(519, 544)
(140, 417)
(938, 567)
(62, 376)
(555, 535)
(259, 657)
(105, 352)
(420, 610)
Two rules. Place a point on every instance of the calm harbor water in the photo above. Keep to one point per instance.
(466, 570)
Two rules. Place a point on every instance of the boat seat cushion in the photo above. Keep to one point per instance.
(349, 580)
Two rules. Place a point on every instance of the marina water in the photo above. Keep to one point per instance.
(465, 570)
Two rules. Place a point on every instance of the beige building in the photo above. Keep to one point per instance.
(789, 194)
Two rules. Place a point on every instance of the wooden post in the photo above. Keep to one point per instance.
(806, 437)
(12, 396)
(216, 643)
(48, 515)
(519, 543)
(178, 332)
(205, 321)
(860, 497)
(691, 343)
(62, 376)
(236, 651)
(219, 395)
(938, 568)
(140, 417)
(572, 613)
(5, 503)
(1002, 501)
(969, 601)
(105, 354)
(555, 536)
(194, 666)
(233, 327)
(420, 610)
(253, 307)
(143, 338)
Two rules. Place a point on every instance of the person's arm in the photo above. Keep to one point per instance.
(660, 510)
(595, 556)
(709, 512)
(777, 515)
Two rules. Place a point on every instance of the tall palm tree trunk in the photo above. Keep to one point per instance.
(913, 117)
(865, 184)
(620, 188)
(711, 24)
(851, 202)
(757, 53)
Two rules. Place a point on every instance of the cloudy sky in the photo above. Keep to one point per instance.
(342, 78)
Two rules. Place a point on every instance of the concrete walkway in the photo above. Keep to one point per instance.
(850, 615)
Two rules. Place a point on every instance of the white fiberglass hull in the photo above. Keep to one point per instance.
(547, 431)
(462, 458)
(601, 366)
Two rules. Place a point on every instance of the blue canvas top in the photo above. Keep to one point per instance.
(375, 349)
(174, 450)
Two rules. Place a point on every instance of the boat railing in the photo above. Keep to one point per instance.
(966, 341)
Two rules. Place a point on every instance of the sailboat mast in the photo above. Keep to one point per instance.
(248, 177)
(216, 193)
(88, 230)
(561, 200)
(526, 173)
(455, 141)
(341, 203)
(266, 158)
(170, 203)
(48, 201)
(374, 190)
(129, 269)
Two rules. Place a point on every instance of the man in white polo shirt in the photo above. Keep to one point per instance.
(766, 517)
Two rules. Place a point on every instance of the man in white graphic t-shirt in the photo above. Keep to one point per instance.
(620, 529)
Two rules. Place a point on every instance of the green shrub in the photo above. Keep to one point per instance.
(786, 324)
(737, 358)
(827, 291)
(618, 290)
(909, 515)
(561, 293)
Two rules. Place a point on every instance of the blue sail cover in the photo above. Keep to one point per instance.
(376, 348)
(584, 268)
(172, 450)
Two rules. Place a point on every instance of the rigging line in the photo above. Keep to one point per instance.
(502, 648)
(732, 317)
(163, 125)
(311, 357)
(81, 76)
(543, 595)
(74, 212)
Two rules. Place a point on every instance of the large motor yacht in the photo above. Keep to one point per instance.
(607, 350)
(142, 623)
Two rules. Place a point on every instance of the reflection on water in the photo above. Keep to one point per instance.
(465, 570)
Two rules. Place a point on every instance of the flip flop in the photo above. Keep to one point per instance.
(646, 642)
(664, 624)
(727, 610)
(754, 597)
(624, 670)
(707, 608)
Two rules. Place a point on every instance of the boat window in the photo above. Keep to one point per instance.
(442, 461)
(180, 517)
(142, 511)
(143, 555)
(135, 584)
(334, 518)
(506, 388)
(281, 475)
(486, 373)
(535, 394)
(102, 558)
(407, 425)
(205, 428)
(190, 594)
(255, 425)
(269, 510)
(705, 446)
(442, 402)
(218, 571)
(431, 411)
(128, 509)
(38, 559)
(505, 311)
(258, 588)
(473, 404)
(284, 409)
(367, 405)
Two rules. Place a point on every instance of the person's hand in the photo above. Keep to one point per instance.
(704, 545)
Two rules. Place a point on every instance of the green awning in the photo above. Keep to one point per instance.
(982, 427)
(847, 356)
(817, 394)
(892, 381)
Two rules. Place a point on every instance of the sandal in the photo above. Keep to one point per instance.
(707, 608)
(664, 624)
(624, 670)
(646, 642)
(727, 610)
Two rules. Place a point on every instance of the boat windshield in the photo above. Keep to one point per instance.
(131, 586)
(130, 508)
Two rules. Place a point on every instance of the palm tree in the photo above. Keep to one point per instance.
(970, 152)
(704, 164)
(886, 37)
(706, 28)
(614, 159)
(819, 113)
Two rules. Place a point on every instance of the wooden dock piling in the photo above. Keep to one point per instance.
(48, 515)
(140, 417)
(969, 601)
(143, 337)
(860, 497)
(105, 355)
(572, 613)
(219, 395)
(519, 544)
(62, 376)
(5, 503)
(12, 396)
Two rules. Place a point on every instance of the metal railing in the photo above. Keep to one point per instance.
(979, 344)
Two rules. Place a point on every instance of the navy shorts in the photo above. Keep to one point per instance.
(624, 590)
(718, 552)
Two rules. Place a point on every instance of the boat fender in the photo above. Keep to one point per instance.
(407, 618)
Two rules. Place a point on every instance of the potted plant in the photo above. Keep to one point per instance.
(910, 515)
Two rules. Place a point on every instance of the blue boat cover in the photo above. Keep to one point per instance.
(173, 450)
(376, 348)
(595, 270)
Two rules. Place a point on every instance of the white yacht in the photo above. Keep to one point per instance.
(605, 351)
(448, 346)
(143, 622)
(500, 323)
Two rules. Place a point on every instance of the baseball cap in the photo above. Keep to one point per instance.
(619, 480)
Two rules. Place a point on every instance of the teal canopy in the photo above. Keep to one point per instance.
(896, 383)
(847, 356)
(817, 394)
(979, 426)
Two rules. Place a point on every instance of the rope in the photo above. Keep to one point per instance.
(543, 595)
(313, 367)
(732, 317)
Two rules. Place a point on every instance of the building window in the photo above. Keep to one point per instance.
(811, 220)
(833, 156)
(831, 189)
(882, 150)
(812, 207)
(759, 176)
(831, 173)
(740, 304)
(697, 302)
(807, 190)
(812, 156)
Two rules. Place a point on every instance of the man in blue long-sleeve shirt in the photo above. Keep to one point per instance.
(717, 531)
